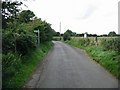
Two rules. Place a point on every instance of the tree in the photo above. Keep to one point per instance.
(25, 16)
(74, 33)
(66, 36)
(57, 34)
(80, 35)
(70, 32)
(9, 11)
(46, 32)
(112, 33)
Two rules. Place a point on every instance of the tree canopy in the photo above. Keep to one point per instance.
(112, 33)
(19, 26)
(25, 16)
(9, 10)
(67, 35)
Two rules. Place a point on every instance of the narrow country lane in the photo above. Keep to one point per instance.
(67, 67)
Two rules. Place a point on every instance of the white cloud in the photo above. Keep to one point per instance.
(92, 16)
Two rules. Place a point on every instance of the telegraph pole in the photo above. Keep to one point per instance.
(60, 30)
(119, 18)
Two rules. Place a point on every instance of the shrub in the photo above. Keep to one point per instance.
(19, 41)
(24, 43)
(8, 42)
(117, 45)
(84, 41)
(111, 44)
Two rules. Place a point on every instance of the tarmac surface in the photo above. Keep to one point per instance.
(68, 67)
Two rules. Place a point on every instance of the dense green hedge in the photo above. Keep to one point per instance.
(16, 69)
(106, 43)
(19, 40)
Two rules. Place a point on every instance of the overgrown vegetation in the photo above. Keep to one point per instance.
(111, 44)
(105, 51)
(21, 51)
(16, 70)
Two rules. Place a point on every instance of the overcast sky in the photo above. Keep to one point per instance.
(92, 16)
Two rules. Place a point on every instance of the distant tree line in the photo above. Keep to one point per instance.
(68, 34)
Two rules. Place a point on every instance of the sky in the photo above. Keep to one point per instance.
(80, 16)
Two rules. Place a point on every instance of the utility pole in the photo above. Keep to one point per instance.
(60, 30)
(119, 18)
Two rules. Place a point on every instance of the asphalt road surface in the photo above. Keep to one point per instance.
(68, 67)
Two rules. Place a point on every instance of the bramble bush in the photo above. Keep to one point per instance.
(111, 44)
(16, 42)
(24, 43)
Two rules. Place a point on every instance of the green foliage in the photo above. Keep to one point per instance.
(108, 59)
(25, 16)
(56, 38)
(19, 41)
(57, 34)
(111, 44)
(66, 36)
(24, 43)
(15, 72)
(9, 11)
(46, 32)
(23, 38)
(84, 41)
(11, 64)
(112, 33)
(8, 43)
(70, 32)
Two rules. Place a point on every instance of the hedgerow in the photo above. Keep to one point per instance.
(19, 38)
(111, 44)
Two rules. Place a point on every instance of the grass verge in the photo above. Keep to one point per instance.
(30, 63)
(108, 59)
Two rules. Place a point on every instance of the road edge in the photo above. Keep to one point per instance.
(36, 74)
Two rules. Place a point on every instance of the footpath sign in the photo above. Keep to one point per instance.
(37, 31)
